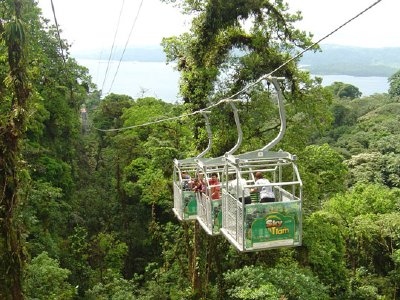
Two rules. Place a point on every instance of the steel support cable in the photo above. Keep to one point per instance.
(249, 86)
(58, 31)
(126, 44)
(112, 46)
(167, 119)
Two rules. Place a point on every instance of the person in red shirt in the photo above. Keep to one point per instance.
(215, 187)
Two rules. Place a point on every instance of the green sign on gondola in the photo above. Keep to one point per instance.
(267, 223)
(189, 204)
(272, 227)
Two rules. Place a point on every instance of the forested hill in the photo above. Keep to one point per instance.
(355, 61)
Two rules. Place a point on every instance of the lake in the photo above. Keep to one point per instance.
(367, 85)
(136, 79)
(156, 79)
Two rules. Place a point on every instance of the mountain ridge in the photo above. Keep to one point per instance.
(331, 60)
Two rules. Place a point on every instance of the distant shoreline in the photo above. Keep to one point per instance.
(352, 70)
(156, 79)
(332, 60)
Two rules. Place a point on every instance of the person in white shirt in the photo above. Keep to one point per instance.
(266, 192)
(243, 192)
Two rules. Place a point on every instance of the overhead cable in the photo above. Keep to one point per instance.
(249, 86)
(112, 46)
(58, 31)
(305, 50)
(169, 119)
(126, 44)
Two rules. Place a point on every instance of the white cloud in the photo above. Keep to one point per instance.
(89, 24)
(375, 28)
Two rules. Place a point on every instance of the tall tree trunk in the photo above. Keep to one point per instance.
(210, 252)
(188, 248)
(11, 133)
(195, 276)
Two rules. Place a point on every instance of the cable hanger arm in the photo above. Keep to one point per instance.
(282, 113)
(238, 127)
(209, 133)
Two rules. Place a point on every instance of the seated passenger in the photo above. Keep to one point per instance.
(238, 186)
(215, 187)
(198, 184)
(186, 181)
(266, 192)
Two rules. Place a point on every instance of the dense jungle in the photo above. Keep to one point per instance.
(87, 214)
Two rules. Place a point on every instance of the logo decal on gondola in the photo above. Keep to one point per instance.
(274, 225)
(263, 226)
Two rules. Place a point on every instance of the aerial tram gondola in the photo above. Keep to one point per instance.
(185, 201)
(209, 202)
(260, 226)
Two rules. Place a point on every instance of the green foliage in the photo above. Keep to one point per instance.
(325, 250)
(164, 284)
(167, 276)
(342, 114)
(113, 288)
(45, 279)
(364, 286)
(43, 212)
(76, 257)
(265, 291)
(394, 84)
(365, 168)
(368, 218)
(375, 167)
(344, 90)
(363, 199)
(282, 281)
(110, 110)
(221, 55)
(53, 170)
(107, 254)
(323, 173)
(361, 124)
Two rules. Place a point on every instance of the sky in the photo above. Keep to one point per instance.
(375, 28)
(91, 24)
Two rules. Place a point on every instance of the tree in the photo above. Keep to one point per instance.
(374, 167)
(394, 84)
(342, 114)
(40, 94)
(113, 289)
(46, 280)
(368, 221)
(220, 47)
(14, 102)
(344, 90)
(280, 282)
(325, 250)
(323, 173)
(365, 168)
(107, 255)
